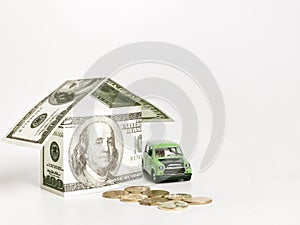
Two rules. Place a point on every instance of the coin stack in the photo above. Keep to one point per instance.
(160, 198)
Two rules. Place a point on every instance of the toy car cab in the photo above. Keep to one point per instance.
(164, 160)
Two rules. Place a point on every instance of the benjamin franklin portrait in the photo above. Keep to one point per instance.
(96, 152)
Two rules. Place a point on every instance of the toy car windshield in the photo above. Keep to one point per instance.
(167, 152)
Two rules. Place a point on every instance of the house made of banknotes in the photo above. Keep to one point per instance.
(90, 135)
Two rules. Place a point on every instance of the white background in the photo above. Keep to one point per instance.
(251, 47)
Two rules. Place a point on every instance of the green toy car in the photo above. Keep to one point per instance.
(163, 160)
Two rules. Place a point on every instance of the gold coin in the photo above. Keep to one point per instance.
(156, 193)
(116, 194)
(153, 201)
(178, 196)
(198, 200)
(133, 197)
(173, 205)
(137, 189)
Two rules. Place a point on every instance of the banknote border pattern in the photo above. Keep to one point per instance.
(52, 125)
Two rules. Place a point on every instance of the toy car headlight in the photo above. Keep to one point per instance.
(161, 167)
(187, 165)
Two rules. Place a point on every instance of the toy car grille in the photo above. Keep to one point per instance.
(174, 170)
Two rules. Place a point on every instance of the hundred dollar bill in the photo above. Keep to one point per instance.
(114, 95)
(34, 128)
(85, 153)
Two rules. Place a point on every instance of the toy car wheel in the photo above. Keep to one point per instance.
(187, 178)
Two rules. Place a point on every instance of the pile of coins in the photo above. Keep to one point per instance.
(160, 198)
